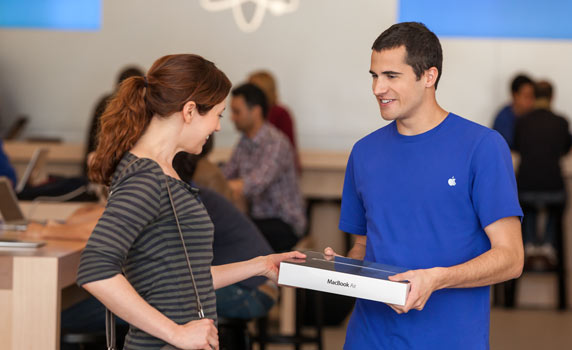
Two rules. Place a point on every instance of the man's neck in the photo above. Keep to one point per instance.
(542, 103)
(254, 129)
(424, 119)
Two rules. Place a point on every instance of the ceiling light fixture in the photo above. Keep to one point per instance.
(276, 7)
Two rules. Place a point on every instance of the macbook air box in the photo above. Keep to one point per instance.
(344, 276)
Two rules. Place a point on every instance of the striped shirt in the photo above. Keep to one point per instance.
(137, 235)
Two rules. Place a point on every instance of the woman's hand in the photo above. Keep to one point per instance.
(199, 334)
(270, 264)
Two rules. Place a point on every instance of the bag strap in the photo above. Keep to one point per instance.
(199, 304)
(110, 338)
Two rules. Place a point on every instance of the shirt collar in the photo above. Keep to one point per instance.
(260, 136)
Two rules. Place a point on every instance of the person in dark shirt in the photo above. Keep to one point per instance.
(236, 238)
(522, 93)
(6, 168)
(127, 72)
(542, 138)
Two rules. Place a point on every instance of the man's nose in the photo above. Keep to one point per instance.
(380, 87)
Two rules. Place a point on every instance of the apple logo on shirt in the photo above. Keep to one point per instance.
(452, 182)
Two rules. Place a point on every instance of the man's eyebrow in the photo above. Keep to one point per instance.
(387, 72)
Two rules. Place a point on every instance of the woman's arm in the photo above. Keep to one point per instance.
(119, 296)
(268, 266)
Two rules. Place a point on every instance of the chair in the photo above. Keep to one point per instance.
(298, 338)
(507, 291)
(233, 334)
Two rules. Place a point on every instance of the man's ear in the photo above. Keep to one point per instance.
(431, 76)
(189, 111)
(257, 109)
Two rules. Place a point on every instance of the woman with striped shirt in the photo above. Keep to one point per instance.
(134, 261)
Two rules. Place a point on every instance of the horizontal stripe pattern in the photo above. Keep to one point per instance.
(137, 235)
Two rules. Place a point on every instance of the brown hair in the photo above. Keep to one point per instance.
(171, 82)
(265, 81)
(421, 45)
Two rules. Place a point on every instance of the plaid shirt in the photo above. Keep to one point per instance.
(266, 165)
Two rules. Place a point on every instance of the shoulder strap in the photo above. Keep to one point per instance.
(199, 305)
(110, 330)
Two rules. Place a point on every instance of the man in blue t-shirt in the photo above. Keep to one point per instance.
(434, 193)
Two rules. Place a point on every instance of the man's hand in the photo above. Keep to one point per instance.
(330, 254)
(237, 186)
(423, 283)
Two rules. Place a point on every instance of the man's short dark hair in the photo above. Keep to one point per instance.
(519, 81)
(422, 46)
(253, 96)
(543, 89)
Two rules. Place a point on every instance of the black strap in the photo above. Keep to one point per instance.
(199, 305)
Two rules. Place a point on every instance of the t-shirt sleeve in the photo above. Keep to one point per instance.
(130, 208)
(352, 216)
(494, 190)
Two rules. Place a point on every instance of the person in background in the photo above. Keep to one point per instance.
(431, 192)
(127, 72)
(522, 93)
(6, 168)
(542, 138)
(278, 115)
(263, 170)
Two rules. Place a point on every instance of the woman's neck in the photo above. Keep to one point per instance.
(158, 143)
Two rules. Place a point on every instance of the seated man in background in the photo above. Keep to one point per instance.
(522, 93)
(262, 168)
(236, 238)
(542, 138)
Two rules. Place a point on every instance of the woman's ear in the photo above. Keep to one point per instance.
(189, 111)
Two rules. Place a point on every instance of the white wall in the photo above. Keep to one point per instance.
(320, 55)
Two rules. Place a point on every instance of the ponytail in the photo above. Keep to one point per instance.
(122, 124)
(171, 82)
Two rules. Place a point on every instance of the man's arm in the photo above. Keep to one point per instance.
(502, 262)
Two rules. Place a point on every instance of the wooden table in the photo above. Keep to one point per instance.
(31, 284)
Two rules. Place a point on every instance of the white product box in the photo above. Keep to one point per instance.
(345, 276)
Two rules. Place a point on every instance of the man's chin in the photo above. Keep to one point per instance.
(388, 118)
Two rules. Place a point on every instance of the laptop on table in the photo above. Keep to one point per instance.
(12, 218)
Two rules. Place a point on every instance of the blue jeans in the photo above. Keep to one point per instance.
(237, 301)
(532, 203)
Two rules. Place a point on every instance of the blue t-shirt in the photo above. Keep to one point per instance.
(505, 123)
(5, 166)
(423, 202)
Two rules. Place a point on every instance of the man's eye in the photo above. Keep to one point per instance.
(391, 76)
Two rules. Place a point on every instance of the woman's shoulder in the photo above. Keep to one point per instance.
(134, 169)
